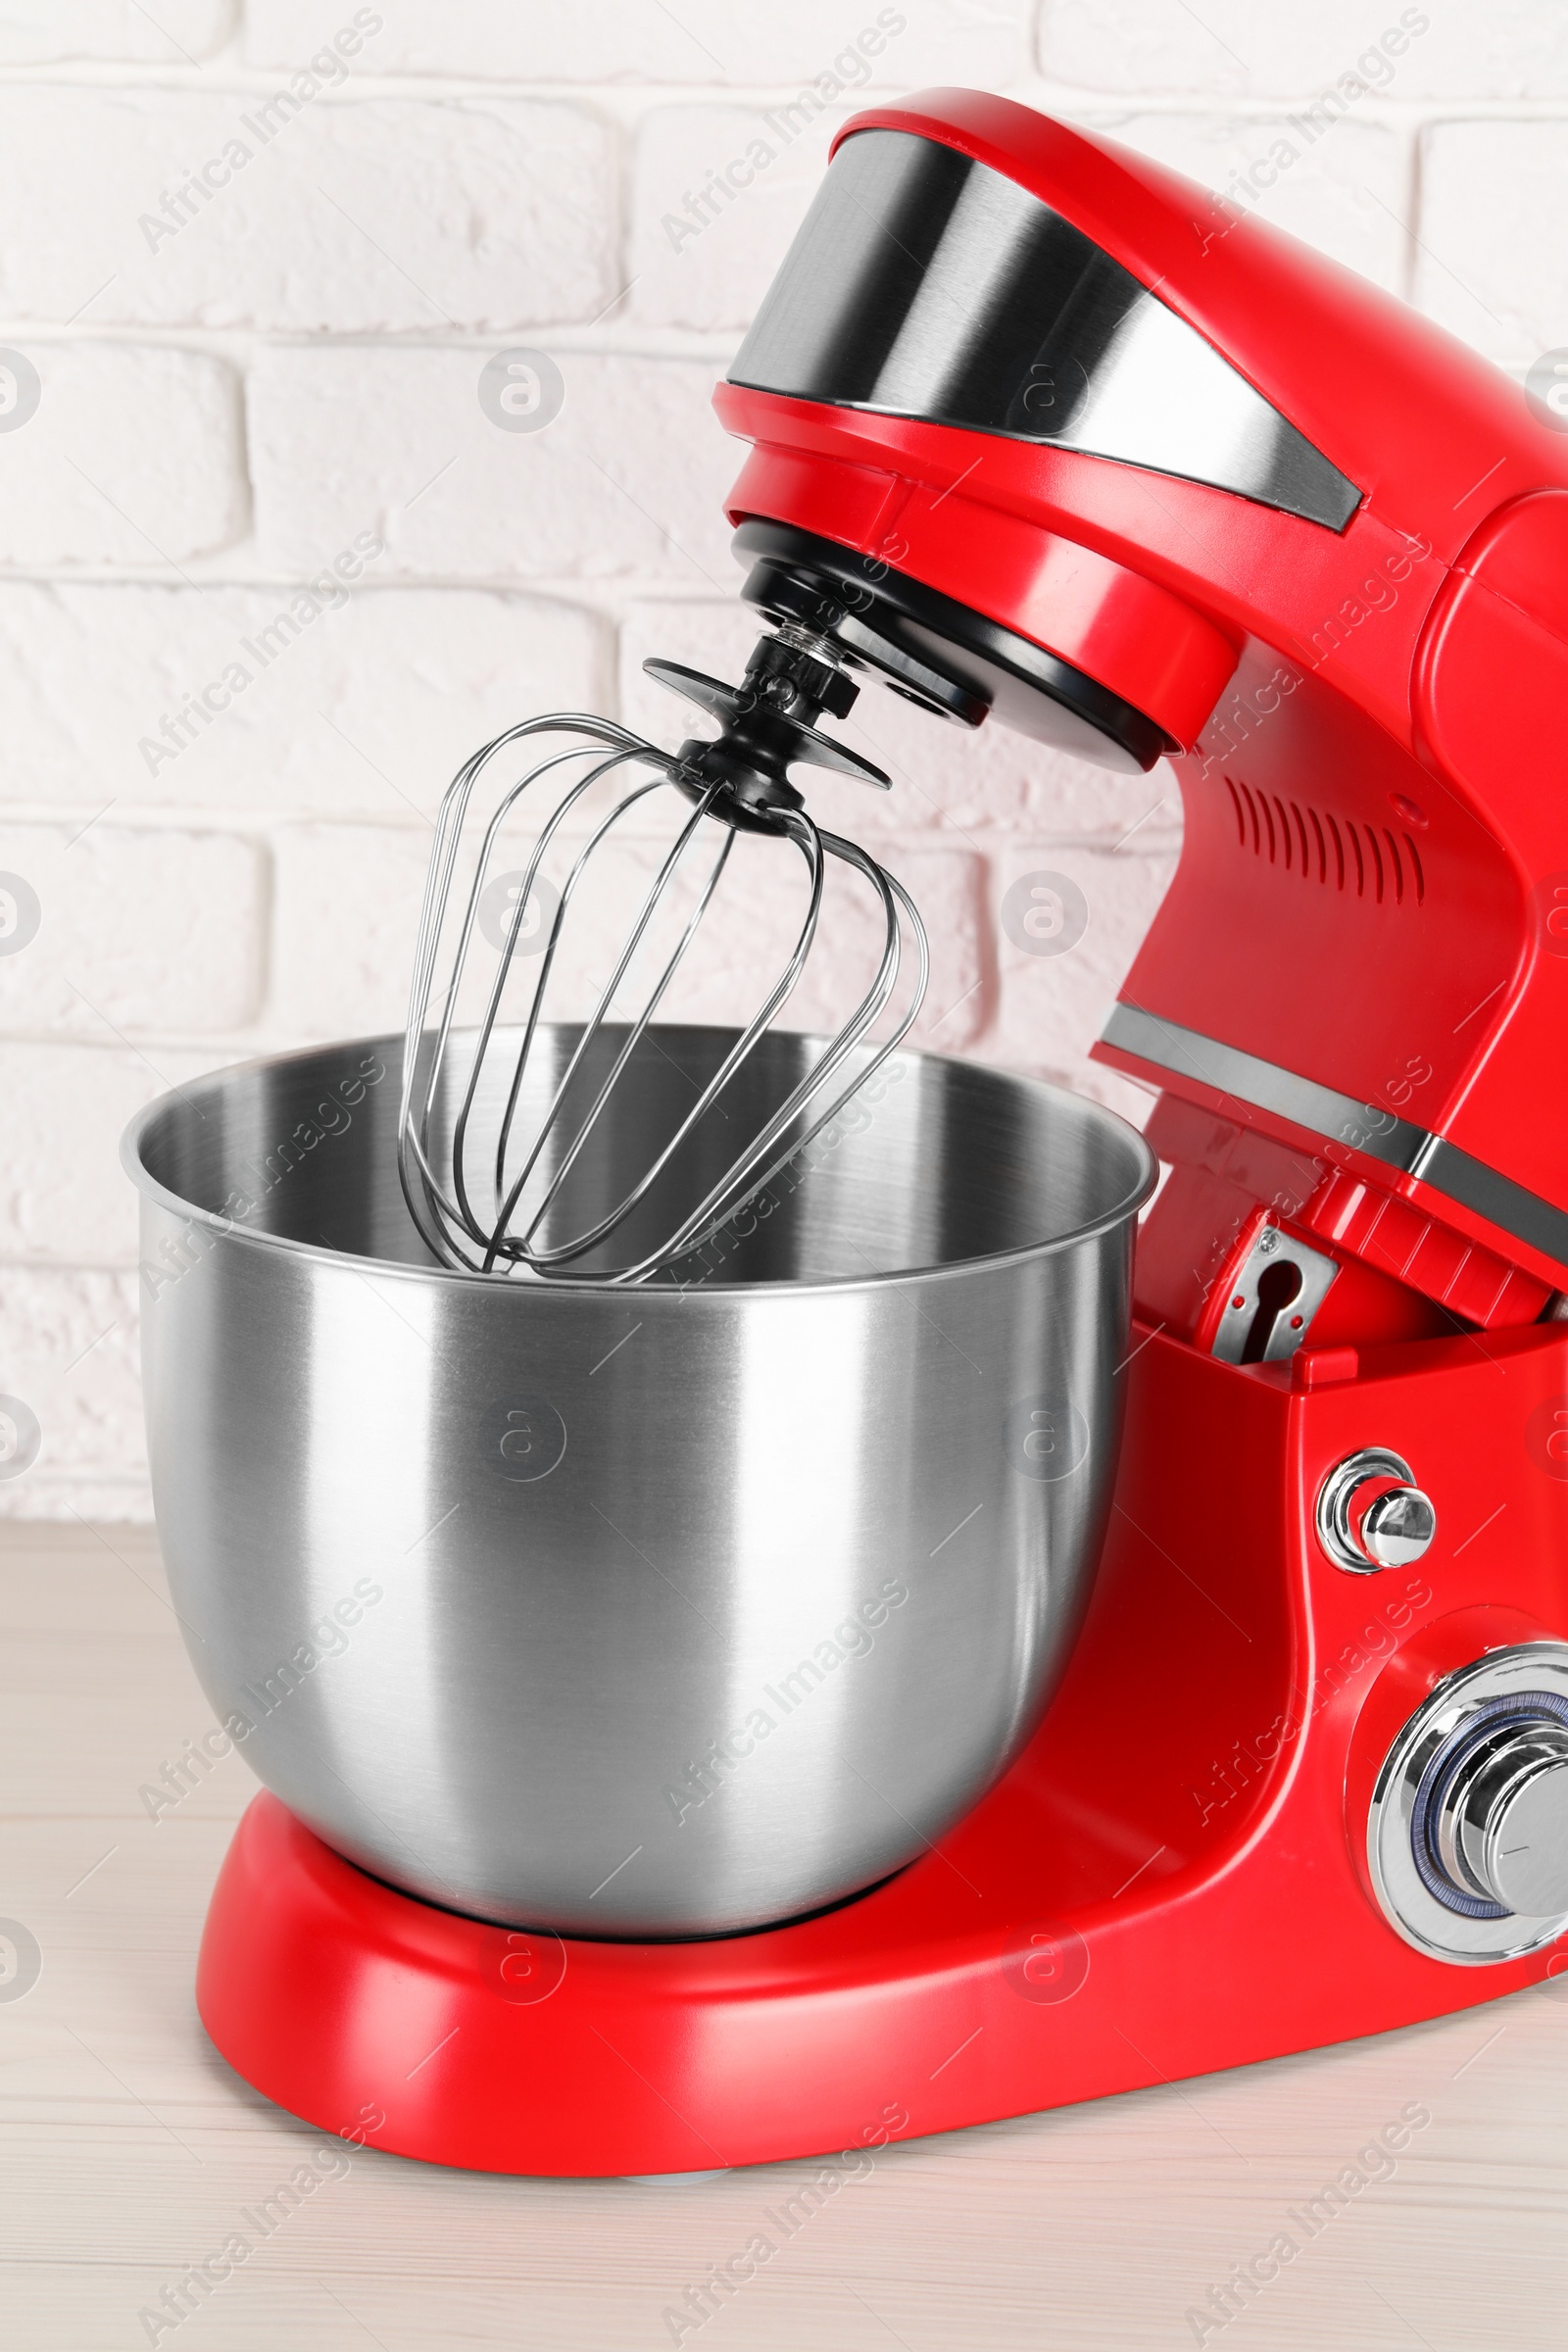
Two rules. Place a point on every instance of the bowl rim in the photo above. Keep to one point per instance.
(227, 1228)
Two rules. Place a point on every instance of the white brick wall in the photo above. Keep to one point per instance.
(115, 29)
(628, 480)
(142, 931)
(133, 458)
(316, 730)
(727, 41)
(1493, 267)
(240, 380)
(380, 216)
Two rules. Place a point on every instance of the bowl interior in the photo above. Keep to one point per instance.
(939, 1163)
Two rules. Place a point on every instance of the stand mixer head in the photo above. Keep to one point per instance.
(1042, 430)
(737, 783)
(1043, 433)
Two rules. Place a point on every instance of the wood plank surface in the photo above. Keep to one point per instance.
(127, 2149)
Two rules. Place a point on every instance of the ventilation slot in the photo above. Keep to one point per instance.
(1398, 870)
(1339, 854)
(1414, 856)
(1371, 860)
(1377, 861)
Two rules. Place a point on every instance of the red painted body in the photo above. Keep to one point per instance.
(1172, 1878)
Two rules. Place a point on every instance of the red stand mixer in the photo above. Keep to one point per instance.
(1041, 432)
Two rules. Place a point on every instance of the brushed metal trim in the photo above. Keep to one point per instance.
(924, 284)
(1340, 1119)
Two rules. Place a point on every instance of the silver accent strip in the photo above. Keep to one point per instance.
(922, 284)
(1361, 1127)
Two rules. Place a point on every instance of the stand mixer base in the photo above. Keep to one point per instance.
(1157, 1889)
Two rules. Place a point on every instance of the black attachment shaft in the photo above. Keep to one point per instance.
(766, 724)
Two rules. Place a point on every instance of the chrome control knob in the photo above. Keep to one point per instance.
(1393, 1523)
(1467, 1833)
(1501, 1829)
(1371, 1514)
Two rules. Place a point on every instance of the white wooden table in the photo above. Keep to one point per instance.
(130, 2148)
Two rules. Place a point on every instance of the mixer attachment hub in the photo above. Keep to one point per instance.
(767, 726)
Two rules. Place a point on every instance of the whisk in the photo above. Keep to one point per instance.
(505, 1219)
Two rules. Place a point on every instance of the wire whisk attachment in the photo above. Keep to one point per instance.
(508, 1135)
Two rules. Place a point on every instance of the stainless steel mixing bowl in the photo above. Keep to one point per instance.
(651, 1612)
